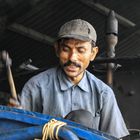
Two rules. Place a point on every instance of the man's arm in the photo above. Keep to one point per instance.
(111, 118)
(31, 97)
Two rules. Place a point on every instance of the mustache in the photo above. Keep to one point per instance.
(71, 63)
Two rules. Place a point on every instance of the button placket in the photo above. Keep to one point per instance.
(74, 103)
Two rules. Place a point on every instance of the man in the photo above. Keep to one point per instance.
(70, 86)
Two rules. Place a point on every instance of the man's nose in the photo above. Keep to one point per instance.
(73, 56)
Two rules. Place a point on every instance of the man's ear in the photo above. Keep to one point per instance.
(93, 53)
(56, 47)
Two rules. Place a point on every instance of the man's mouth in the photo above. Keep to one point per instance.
(71, 68)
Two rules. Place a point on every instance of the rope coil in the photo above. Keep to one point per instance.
(51, 129)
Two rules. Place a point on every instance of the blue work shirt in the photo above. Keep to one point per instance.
(50, 92)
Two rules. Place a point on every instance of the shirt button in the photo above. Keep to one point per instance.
(75, 104)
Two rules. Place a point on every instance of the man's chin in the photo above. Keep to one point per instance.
(74, 76)
(71, 74)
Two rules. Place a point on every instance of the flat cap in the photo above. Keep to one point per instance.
(78, 29)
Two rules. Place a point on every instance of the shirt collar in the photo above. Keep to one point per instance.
(65, 83)
(84, 83)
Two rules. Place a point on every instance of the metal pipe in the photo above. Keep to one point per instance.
(28, 32)
(111, 40)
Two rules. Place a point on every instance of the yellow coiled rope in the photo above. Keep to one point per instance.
(48, 129)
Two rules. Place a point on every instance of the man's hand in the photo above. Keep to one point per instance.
(14, 103)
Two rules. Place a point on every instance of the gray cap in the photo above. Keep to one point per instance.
(78, 29)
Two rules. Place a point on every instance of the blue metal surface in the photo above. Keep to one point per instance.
(16, 124)
(30, 133)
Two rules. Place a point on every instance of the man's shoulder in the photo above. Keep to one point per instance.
(95, 80)
(49, 72)
(100, 86)
(43, 76)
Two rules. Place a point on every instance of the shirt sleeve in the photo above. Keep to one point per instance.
(31, 97)
(111, 118)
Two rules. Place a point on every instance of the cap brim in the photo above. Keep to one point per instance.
(79, 37)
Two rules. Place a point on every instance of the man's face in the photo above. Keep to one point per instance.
(75, 56)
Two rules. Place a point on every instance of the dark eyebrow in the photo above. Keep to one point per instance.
(65, 45)
(81, 47)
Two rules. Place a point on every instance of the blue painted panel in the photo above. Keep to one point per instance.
(20, 124)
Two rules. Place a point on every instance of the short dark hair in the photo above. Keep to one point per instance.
(93, 44)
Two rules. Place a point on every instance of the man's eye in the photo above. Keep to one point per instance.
(66, 49)
(81, 50)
